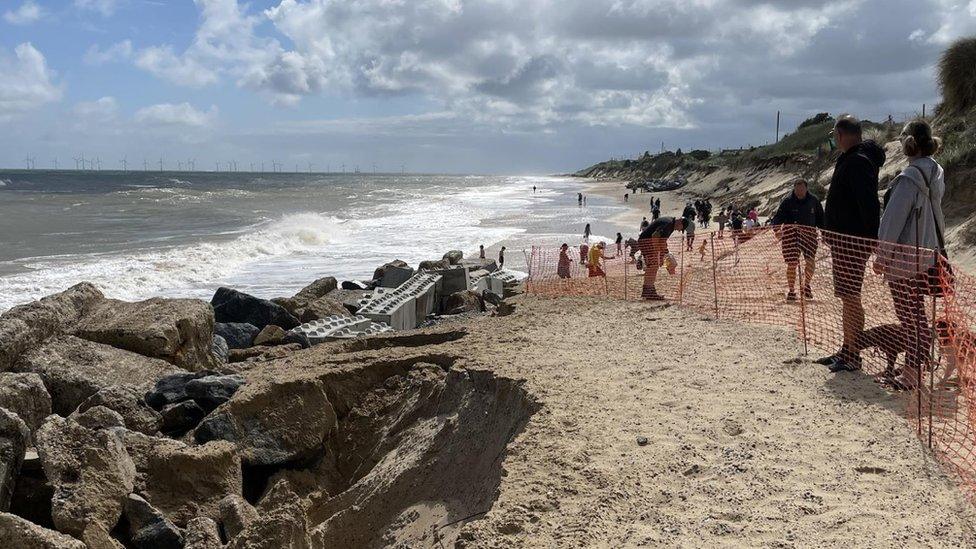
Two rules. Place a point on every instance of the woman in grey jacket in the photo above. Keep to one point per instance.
(909, 235)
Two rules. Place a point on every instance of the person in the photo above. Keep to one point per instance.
(632, 248)
(722, 219)
(913, 218)
(735, 224)
(584, 200)
(689, 211)
(657, 203)
(501, 258)
(753, 215)
(620, 244)
(563, 267)
(644, 224)
(796, 222)
(851, 217)
(655, 213)
(653, 243)
(481, 251)
(579, 198)
(584, 252)
(595, 257)
(586, 233)
(626, 197)
(533, 189)
(689, 232)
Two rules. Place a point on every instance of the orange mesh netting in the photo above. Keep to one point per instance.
(919, 331)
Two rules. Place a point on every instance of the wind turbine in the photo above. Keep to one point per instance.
(145, 165)
(262, 167)
(191, 164)
(55, 162)
(125, 164)
(374, 167)
(218, 165)
(343, 167)
(179, 165)
(28, 161)
(160, 163)
(309, 167)
(252, 167)
(99, 161)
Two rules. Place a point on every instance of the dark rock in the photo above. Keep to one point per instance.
(354, 285)
(238, 335)
(181, 417)
(219, 349)
(130, 403)
(317, 289)
(234, 306)
(18, 533)
(148, 527)
(179, 331)
(322, 307)
(454, 257)
(74, 369)
(14, 437)
(381, 270)
(270, 335)
(212, 391)
(298, 338)
(465, 301)
(172, 389)
(434, 265)
(25, 395)
(27, 325)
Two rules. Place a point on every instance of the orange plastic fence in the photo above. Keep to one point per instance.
(919, 330)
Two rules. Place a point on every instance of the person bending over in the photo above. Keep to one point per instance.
(796, 222)
(653, 243)
(596, 256)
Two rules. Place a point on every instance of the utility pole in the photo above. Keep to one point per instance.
(923, 110)
(777, 126)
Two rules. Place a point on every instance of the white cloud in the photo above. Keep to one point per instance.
(162, 62)
(104, 108)
(25, 82)
(116, 52)
(27, 13)
(172, 114)
(103, 7)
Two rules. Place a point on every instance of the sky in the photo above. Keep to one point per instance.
(468, 86)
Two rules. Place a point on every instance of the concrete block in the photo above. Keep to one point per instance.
(454, 280)
(395, 276)
(332, 328)
(508, 279)
(398, 308)
(424, 288)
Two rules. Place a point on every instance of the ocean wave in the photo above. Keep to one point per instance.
(4, 182)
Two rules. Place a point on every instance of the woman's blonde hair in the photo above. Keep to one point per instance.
(917, 139)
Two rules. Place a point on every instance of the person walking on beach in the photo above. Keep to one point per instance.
(653, 243)
(722, 219)
(584, 200)
(689, 233)
(644, 224)
(620, 244)
(851, 219)
(533, 189)
(563, 267)
(626, 197)
(596, 256)
(481, 251)
(913, 219)
(586, 233)
(584, 253)
(655, 212)
(501, 258)
(579, 198)
(796, 222)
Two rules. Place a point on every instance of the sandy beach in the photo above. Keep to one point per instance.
(672, 202)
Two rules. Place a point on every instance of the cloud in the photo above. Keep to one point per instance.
(171, 114)
(182, 70)
(27, 13)
(25, 82)
(104, 7)
(116, 52)
(102, 109)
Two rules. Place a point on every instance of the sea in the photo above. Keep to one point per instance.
(184, 234)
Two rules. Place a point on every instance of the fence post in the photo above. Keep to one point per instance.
(681, 271)
(802, 272)
(626, 281)
(934, 364)
(714, 274)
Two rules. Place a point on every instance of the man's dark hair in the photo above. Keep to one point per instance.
(848, 123)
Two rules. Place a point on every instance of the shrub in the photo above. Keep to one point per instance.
(957, 77)
(819, 118)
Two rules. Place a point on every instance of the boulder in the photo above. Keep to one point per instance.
(98, 417)
(129, 402)
(297, 338)
(289, 304)
(141, 448)
(350, 299)
(354, 285)
(477, 264)
(238, 335)
(14, 437)
(91, 474)
(235, 515)
(25, 395)
(322, 307)
(212, 391)
(262, 353)
(434, 265)
(202, 533)
(18, 533)
(172, 389)
(316, 289)
(27, 325)
(273, 424)
(219, 349)
(74, 369)
(149, 528)
(465, 301)
(189, 482)
(281, 522)
(32, 493)
(180, 418)
(454, 257)
(234, 306)
(381, 270)
(270, 335)
(179, 331)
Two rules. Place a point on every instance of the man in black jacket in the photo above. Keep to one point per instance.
(653, 244)
(796, 222)
(851, 218)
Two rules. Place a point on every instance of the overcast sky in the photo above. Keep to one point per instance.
(488, 86)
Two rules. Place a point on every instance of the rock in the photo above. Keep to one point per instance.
(74, 369)
(476, 264)
(348, 298)
(189, 482)
(321, 308)
(270, 335)
(180, 418)
(273, 424)
(394, 276)
(91, 473)
(353, 285)
(504, 308)
(234, 306)
(381, 270)
(149, 528)
(454, 257)
(17, 533)
(172, 389)
(25, 395)
(465, 301)
(14, 437)
(434, 265)
(235, 515)
(297, 338)
(317, 289)
(98, 417)
(219, 349)
(32, 493)
(202, 533)
(238, 335)
(141, 448)
(179, 331)
(27, 325)
(262, 353)
(289, 304)
(128, 401)
(281, 522)
(212, 391)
